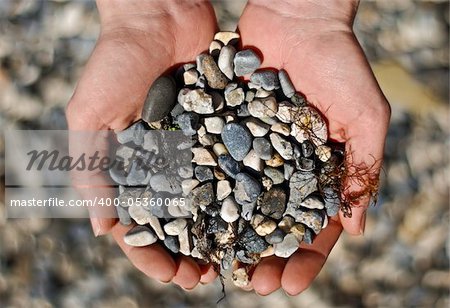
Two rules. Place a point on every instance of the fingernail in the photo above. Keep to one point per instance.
(363, 223)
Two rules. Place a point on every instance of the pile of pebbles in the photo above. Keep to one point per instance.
(263, 176)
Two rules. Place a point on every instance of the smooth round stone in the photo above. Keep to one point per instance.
(216, 79)
(286, 84)
(140, 236)
(214, 125)
(196, 100)
(281, 128)
(225, 61)
(172, 243)
(161, 98)
(185, 172)
(273, 202)
(161, 182)
(203, 157)
(275, 237)
(263, 148)
(256, 127)
(307, 148)
(223, 189)
(252, 160)
(246, 62)
(188, 123)
(247, 189)
(237, 140)
(175, 227)
(263, 108)
(230, 210)
(287, 247)
(229, 165)
(203, 173)
(283, 147)
(190, 77)
(227, 37)
(267, 79)
(275, 175)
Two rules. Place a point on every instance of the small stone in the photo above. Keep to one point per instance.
(287, 112)
(262, 225)
(203, 173)
(188, 123)
(250, 241)
(268, 252)
(310, 218)
(281, 128)
(287, 247)
(160, 99)
(263, 148)
(196, 100)
(140, 236)
(247, 189)
(230, 210)
(172, 243)
(156, 226)
(267, 79)
(273, 202)
(253, 161)
(286, 83)
(137, 175)
(202, 196)
(229, 165)
(219, 174)
(234, 96)
(207, 140)
(264, 107)
(298, 100)
(313, 202)
(237, 139)
(332, 201)
(162, 182)
(283, 147)
(214, 125)
(308, 237)
(323, 152)
(219, 149)
(288, 171)
(215, 225)
(175, 227)
(307, 148)
(223, 189)
(124, 217)
(185, 172)
(275, 161)
(246, 62)
(286, 223)
(256, 127)
(305, 164)
(275, 237)
(301, 185)
(190, 77)
(135, 133)
(185, 240)
(249, 96)
(266, 182)
(215, 47)
(309, 125)
(139, 214)
(227, 37)
(199, 61)
(216, 79)
(225, 61)
(201, 82)
(212, 210)
(240, 278)
(242, 111)
(298, 230)
(275, 175)
(203, 157)
(188, 185)
(261, 93)
(247, 210)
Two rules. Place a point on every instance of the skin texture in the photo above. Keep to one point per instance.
(312, 40)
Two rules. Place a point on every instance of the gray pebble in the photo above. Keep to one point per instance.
(273, 202)
(172, 243)
(124, 217)
(135, 133)
(267, 79)
(282, 146)
(137, 175)
(301, 185)
(237, 140)
(188, 123)
(246, 62)
(247, 189)
(287, 247)
(140, 236)
(251, 242)
(308, 236)
(286, 83)
(307, 148)
(164, 183)
(305, 164)
(288, 170)
(225, 61)
(247, 210)
(160, 99)
(275, 237)
(203, 173)
(229, 165)
(274, 174)
(332, 201)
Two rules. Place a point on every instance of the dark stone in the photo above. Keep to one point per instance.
(135, 133)
(305, 164)
(247, 189)
(203, 173)
(251, 242)
(263, 148)
(160, 99)
(229, 165)
(266, 79)
(216, 224)
(332, 201)
(308, 236)
(246, 62)
(275, 237)
(172, 243)
(188, 123)
(237, 139)
(307, 148)
(203, 195)
(273, 203)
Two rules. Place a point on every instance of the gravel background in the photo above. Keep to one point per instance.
(402, 261)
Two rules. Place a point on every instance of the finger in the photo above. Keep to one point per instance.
(304, 265)
(188, 273)
(267, 275)
(208, 274)
(154, 261)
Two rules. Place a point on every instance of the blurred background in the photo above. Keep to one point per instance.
(403, 258)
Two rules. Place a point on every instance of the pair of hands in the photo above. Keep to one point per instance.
(312, 41)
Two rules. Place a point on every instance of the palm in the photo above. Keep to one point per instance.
(327, 65)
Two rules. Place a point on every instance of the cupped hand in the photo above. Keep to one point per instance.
(139, 41)
(315, 44)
